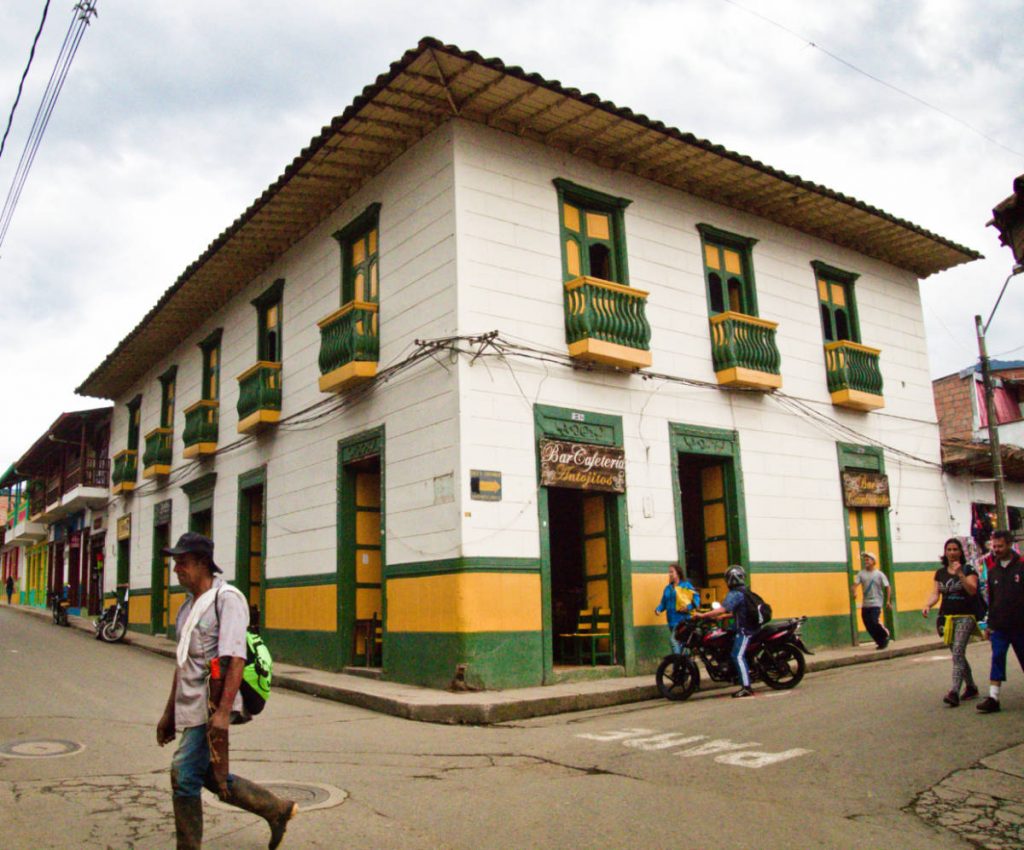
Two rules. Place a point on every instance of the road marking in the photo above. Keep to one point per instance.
(724, 751)
(920, 660)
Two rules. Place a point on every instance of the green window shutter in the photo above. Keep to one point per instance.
(593, 235)
(167, 385)
(134, 419)
(837, 303)
(728, 271)
(269, 322)
(360, 253)
(210, 348)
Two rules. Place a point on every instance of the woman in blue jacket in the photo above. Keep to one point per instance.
(676, 579)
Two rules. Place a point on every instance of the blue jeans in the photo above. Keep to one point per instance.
(1001, 643)
(190, 767)
(677, 647)
(739, 657)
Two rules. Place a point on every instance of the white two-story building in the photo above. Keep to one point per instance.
(491, 353)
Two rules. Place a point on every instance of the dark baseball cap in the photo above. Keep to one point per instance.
(195, 543)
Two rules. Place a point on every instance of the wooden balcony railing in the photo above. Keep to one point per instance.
(349, 346)
(259, 396)
(125, 471)
(744, 352)
(53, 491)
(201, 428)
(854, 378)
(607, 323)
(156, 459)
(93, 473)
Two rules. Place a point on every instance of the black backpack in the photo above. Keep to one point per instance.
(758, 612)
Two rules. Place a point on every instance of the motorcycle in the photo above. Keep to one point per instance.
(112, 625)
(775, 656)
(59, 607)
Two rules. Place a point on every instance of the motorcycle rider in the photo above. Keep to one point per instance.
(735, 605)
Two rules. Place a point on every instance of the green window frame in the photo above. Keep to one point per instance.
(837, 302)
(270, 323)
(593, 233)
(728, 271)
(210, 348)
(167, 387)
(360, 254)
(134, 422)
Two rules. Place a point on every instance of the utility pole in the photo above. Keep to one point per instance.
(1002, 520)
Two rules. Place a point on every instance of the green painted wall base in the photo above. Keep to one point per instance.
(652, 644)
(494, 660)
(303, 647)
(912, 624)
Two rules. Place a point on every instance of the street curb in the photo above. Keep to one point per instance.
(501, 710)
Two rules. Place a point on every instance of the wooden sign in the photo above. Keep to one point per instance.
(865, 489)
(582, 466)
(124, 527)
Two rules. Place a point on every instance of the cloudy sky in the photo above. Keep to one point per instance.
(175, 116)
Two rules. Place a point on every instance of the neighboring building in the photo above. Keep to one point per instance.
(963, 428)
(697, 357)
(59, 491)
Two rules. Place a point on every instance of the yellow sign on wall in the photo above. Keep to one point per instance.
(124, 527)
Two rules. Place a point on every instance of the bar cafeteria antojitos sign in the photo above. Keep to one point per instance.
(582, 466)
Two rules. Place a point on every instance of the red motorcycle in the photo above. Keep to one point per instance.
(775, 655)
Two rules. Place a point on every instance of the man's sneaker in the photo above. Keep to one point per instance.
(884, 644)
(970, 692)
(952, 699)
(988, 705)
(743, 692)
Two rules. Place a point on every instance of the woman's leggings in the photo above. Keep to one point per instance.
(963, 628)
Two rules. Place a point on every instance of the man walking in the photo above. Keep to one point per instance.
(877, 592)
(211, 627)
(1005, 613)
(9, 587)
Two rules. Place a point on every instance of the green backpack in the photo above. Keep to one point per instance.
(258, 671)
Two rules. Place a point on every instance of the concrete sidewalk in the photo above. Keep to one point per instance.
(486, 707)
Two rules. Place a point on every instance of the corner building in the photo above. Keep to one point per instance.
(490, 354)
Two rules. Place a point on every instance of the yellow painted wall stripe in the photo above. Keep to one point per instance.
(138, 610)
(313, 608)
(647, 590)
(912, 589)
(176, 600)
(804, 594)
(465, 602)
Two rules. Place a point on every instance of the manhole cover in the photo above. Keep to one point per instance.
(309, 795)
(40, 748)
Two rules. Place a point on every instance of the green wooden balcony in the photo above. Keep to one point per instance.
(200, 434)
(744, 352)
(122, 478)
(156, 459)
(259, 396)
(854, 379)
(607, 323)
(349, 346)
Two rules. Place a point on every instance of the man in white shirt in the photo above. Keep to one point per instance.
(211, 627)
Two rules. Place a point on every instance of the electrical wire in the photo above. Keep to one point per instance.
(83, 12)
(874, 78)
(24, 74)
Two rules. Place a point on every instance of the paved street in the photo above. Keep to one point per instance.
(840, 762)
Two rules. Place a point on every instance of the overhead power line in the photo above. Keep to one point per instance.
(874, 78)
(21, 82)
(83, 12)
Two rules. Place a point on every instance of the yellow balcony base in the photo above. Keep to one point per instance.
(254, 421)
(197, 449)
(752, 378)
(857, 400)
(349, 375)
(123, 487)
(158, 470)
(599, 351)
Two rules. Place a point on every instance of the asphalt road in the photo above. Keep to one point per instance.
(838, 762)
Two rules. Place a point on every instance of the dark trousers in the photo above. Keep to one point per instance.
(879, 633)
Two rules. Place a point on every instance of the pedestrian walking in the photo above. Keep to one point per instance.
(876, 594)
(956, 581)
(9, 587)
(1005, 613)
(679, 599)
(211, 627)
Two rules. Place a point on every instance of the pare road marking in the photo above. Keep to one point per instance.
(724, 751)
(920, 660)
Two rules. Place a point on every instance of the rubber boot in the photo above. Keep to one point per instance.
(257, 799)
(188, 822)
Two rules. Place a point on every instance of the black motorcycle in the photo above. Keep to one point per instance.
(775, 656)
(59, 607)
(112, 625)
